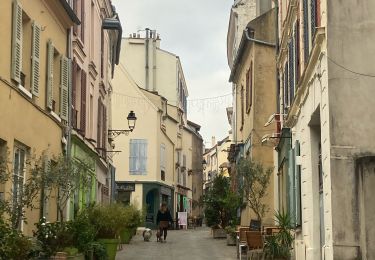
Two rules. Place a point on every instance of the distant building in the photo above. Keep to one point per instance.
(216, 159)
(158, 160)
(254, 84)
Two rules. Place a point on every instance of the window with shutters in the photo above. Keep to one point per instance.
(286, 88)
(56, 80)
(79, 10)
(19, 169)
(242, 107)
(249, 88)
(291, 65)
(297, 52)
(91, 116)
(3, 165)
(184, 170)
(298, 182)
(76, 95)
(23, 48)
(83, 118)
(162, 161)
(306, 33)
(282, 183)
(64, 87)
(138, 157)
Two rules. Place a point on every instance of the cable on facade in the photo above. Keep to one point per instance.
(352, 71)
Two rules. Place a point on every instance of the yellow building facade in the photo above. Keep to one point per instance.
(34, 81)
(253, 77)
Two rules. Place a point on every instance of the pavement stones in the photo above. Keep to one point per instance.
(192, 244)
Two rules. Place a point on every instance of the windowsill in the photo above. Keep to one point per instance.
(25, 91)
(56, 116)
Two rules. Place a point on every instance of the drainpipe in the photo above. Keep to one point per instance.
(69, 53)
(257, 41)
(277, 53)
(147, 42)
(154, 60)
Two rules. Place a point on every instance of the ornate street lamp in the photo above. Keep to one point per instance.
(131, 124)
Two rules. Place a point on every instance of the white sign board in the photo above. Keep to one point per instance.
(182, 218)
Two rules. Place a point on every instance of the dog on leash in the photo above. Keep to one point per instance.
(147, 235)
(158, 236)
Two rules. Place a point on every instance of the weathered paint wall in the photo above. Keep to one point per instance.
(263, 102)
(350, 39)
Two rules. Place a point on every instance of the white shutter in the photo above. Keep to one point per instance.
(50, 56)
(64, 88)
(16, 42)
(35, 59)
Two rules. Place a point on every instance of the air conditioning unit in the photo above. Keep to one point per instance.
(300, 250)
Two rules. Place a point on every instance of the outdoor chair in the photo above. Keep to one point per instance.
(254, 240)
(241, 241)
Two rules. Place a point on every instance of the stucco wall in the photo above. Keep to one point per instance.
(351, 35)
(128, 97)
(26, 120)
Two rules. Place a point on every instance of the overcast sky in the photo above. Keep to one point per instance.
(195, 30)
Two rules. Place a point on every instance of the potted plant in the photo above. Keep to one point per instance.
(231, 235)
(279, 246)
(221, 206)
(132, 220)
(108, 221)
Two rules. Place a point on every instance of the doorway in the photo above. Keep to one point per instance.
(366, 182)
(317, 178)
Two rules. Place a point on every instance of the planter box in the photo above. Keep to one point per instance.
(219, 233)
(231, 241)
(110, 246)
(126, 235)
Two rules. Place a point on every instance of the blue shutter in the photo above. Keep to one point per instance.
(313, 17)
(298, 187)
(306, 30)
(291, 187)
(291, 71)
(286, 92)
(143, 156)
(297, 53)
(132, 156)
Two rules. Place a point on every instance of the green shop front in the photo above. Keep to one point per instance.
(154, 194)
(86, 194)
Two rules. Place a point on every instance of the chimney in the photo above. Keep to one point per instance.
(213, 141)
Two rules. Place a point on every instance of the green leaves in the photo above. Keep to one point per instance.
(256, 180)
(280, 244)
(221, 203)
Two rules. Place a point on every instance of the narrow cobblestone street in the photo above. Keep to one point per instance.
(192, 244)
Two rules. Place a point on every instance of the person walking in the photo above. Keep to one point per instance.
(163, 218)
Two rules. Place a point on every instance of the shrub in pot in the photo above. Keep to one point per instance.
(221, 206)
(279, 245)
(13, 245)
(132, 219)
(108, 221)
(231, 235)
(54, 237)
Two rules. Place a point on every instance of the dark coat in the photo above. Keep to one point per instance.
(166, 216)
